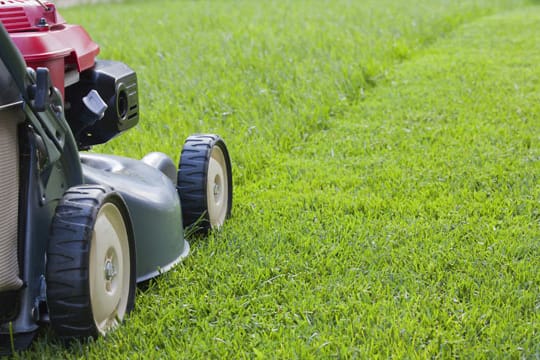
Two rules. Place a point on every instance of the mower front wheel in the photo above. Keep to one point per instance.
(90, 274)
(205, 182)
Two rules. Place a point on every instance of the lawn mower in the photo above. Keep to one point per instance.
(79, 230)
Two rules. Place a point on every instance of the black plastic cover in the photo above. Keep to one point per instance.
(116, 83)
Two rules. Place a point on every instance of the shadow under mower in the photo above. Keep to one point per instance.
(79, 230)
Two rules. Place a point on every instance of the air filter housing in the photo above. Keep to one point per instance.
(9, 198)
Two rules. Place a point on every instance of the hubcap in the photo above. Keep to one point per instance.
(217, 188)
(109, 268)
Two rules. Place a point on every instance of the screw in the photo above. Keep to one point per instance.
(110, 272)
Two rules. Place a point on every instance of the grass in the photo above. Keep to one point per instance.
(386, 168)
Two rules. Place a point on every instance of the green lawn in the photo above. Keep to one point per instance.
(386, 159)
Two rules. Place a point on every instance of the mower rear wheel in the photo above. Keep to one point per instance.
(91, 274)
(205, 182)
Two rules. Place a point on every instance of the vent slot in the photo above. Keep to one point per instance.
(14, 18)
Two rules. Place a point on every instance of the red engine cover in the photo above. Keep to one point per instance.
(45, 40)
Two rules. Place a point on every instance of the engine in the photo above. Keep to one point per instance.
(100, 97)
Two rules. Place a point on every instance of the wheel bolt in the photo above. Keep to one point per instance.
(110, 272)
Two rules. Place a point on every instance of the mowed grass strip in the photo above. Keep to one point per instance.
(386, 163)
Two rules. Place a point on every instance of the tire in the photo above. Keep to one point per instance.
(90, 274)
(205, 182)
